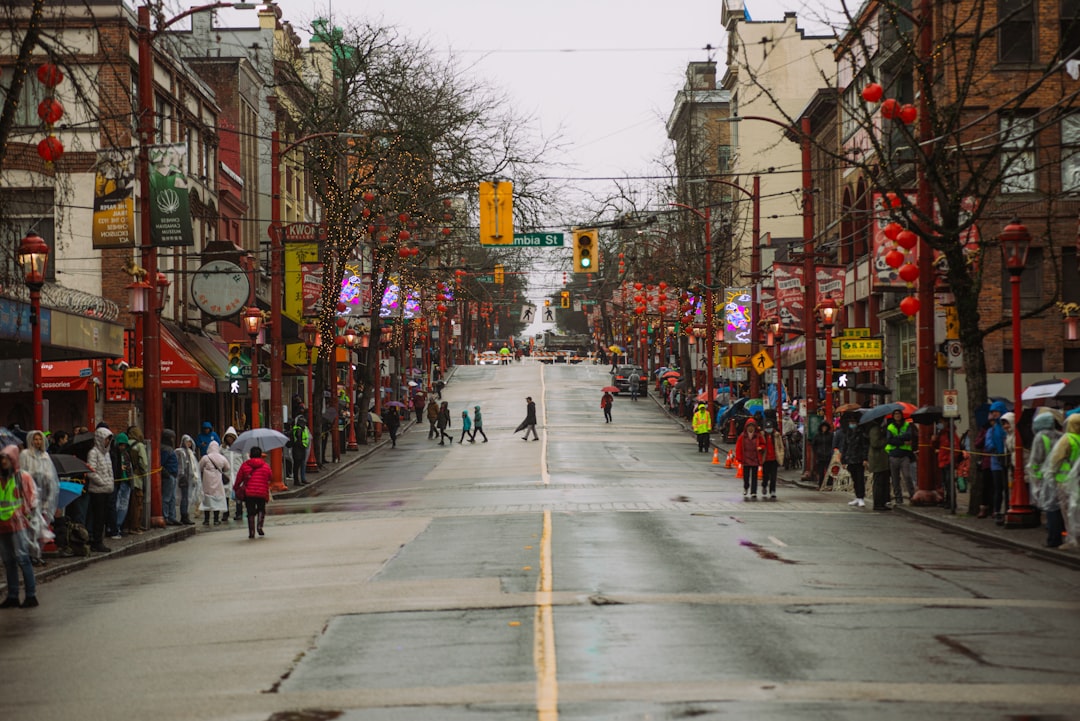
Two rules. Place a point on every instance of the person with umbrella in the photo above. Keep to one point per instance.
(853, 446)
(899, 440)
(478, 424)
(18, 495)
(605, 405)
(392, 421)
(253, 483)
(529, 424)
(702, 425)
(35, 460)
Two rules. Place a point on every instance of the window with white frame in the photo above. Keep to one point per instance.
(1017, 154)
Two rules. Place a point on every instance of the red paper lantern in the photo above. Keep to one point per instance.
(890, 108)
(441, 308)
(639, 310)
(447, 202)
(371, 228)
(446, 231)
(663, 285)
(892, 230)
(341, 322)
(368, 196)
(403, 235)
(909, 306)
(909, 273)
(637, 286)
(339, 340)
(907, 113)
(403, 217)
(894, 259)
(907, 239)
(50, 149)
(872, 93)
(366, 212)
(403, 253)
(50, 110)
(341, 307)
(49, 75)
(663, 309)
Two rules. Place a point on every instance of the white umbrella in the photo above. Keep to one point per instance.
(265, 438)
(1042, 389)
(375, 417)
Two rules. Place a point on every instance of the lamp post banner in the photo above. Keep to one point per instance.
(114, 203)
(170, 207)
(790, 295)
(736, 309)
(830, 283)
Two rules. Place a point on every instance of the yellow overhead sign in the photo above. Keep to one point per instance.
(497, 213)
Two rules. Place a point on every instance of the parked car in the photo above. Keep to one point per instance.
(620, 378)
(488, 358)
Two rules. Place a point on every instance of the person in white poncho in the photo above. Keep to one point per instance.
(212, 467)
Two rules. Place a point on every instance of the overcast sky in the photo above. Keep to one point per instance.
(603, 73)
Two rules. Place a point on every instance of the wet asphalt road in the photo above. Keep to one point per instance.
(604, 572)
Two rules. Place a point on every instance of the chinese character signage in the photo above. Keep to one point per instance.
(859, 348)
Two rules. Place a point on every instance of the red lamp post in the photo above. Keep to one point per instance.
(310, 335)
(826, 312)
(252, 320)
(33, 254)
(351, 338)
(1015, 242)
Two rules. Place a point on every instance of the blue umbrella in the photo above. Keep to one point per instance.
(69, 491)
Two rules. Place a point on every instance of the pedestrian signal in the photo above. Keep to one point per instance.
(566, 299)
(235, 350)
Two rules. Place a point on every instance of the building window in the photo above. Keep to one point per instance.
(1031, 360)
(1070, 153)
(1017, 154)
(1016, 31)
(723, 159)
(25, 211)
(1070, 275)
(33, 93)
(909, 349)
(1070, 29)
(1071, 360)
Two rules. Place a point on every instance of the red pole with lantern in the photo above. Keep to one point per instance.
(33, 254)
(826, 312)
(252, 318)
(1015, 242)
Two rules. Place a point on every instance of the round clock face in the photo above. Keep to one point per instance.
(220, 288)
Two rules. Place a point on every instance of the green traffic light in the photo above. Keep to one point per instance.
(586, 261)
(234, 369)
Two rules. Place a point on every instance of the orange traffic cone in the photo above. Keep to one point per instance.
(759, 473)
(730, 461)
(716, 456)
(738, 470)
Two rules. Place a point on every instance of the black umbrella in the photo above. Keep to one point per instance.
(80, 445)
(878, 412)
(68, 465)
(873, 389)
(1071, 391)
(927, 415)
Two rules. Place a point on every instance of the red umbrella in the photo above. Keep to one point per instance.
(671, 374)
(907, 408)
(705, 396)
(609, 389)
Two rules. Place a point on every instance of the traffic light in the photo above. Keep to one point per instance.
(566, 299)
(585, 250)
(235, 350)
(499, 274)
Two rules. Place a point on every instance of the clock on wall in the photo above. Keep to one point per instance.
(220, 288)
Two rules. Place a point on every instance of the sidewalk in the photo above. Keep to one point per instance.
(1030, 541)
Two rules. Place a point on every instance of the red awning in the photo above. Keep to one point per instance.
(73, 375)
(179, 370)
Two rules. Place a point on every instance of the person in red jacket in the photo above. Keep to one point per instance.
(253, 480)
(750, 452)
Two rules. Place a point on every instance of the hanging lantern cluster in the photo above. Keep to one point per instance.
(901, 257)
(891, 109)
(50, 111)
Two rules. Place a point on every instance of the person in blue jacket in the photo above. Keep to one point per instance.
(994, 444)
(207, 436)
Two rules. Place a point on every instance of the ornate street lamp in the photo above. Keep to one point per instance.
(33, 254)
(252, 321)
(351, 339)
(161, 284)
(826, 313)
(1015, 243)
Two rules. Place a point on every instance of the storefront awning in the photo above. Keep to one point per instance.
(67, 375)
(179, 370)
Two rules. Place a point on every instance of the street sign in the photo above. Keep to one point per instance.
(538, 240)
(950, 404)
(762, 362)
(588, 302)
(264, 371)
(860, 348)
(954, 354)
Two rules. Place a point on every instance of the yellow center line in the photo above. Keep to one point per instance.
(547, 685)
(545, 476)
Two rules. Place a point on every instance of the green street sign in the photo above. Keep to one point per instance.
(588, 302)
(485, 279)
(538, 240)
